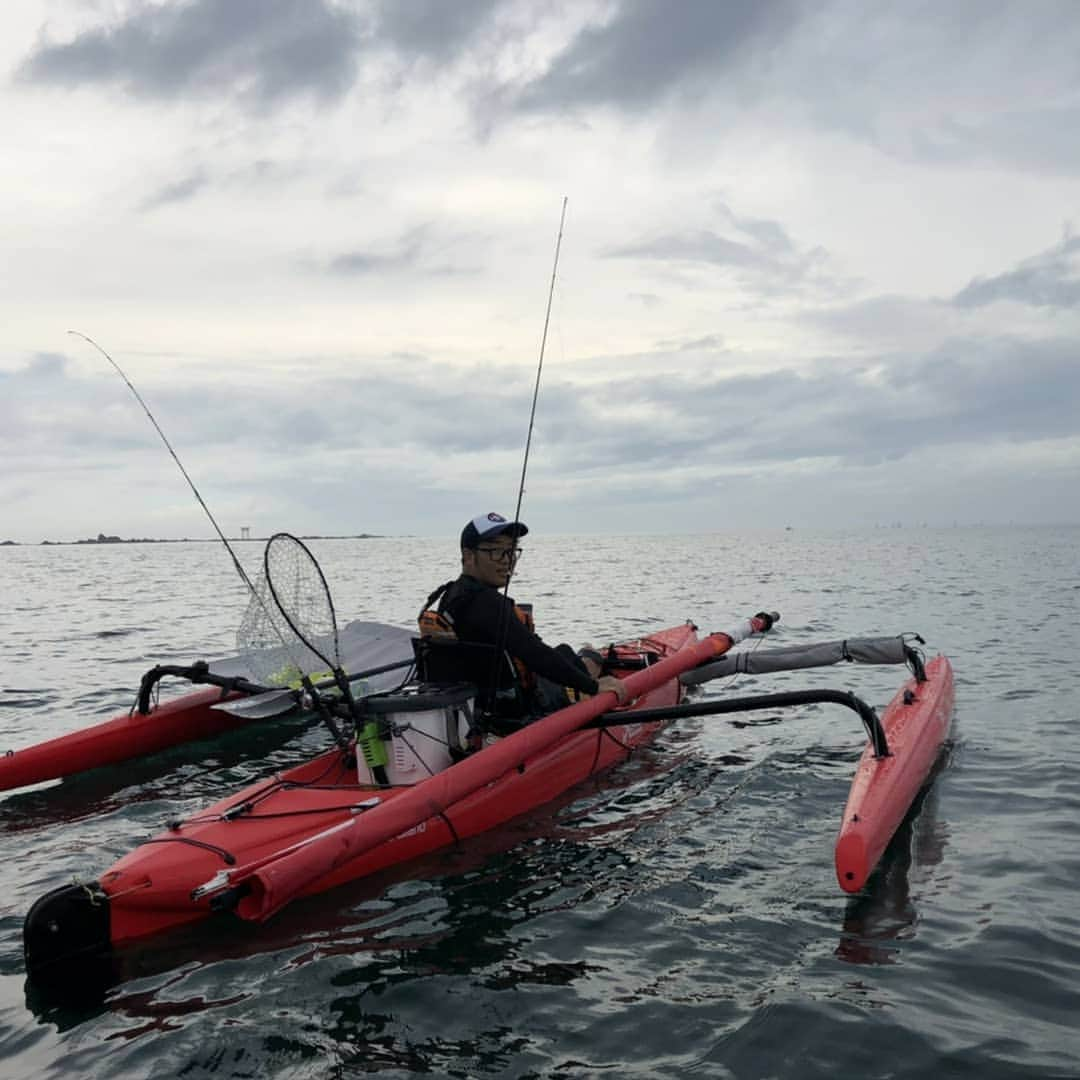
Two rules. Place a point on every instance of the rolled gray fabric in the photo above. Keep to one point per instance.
(878, 650)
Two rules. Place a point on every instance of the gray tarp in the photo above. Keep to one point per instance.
(363, 645)
(879, 650)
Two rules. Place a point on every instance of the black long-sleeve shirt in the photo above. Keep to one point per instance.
(482, 614)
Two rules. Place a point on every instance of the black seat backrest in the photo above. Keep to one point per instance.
(446, 660)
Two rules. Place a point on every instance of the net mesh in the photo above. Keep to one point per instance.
(289, 619)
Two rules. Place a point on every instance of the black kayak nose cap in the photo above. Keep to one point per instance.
(66, 932)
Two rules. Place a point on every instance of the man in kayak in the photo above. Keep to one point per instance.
(474, 609)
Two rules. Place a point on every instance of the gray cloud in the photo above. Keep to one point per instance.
(418, 251)
(42, 367)
(702, 245)
(967, 392)
(358, 263)
(262, 51)
(961, 83)
(1030, 137)
(434, 29)
(650, 47)
(178, 191)
(755, 249)
(978, 390)
(406, 422)
(970, 83)
(1050, 279)
(708, 343)
(263, 174)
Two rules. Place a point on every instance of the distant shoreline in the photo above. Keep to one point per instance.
(103, 539)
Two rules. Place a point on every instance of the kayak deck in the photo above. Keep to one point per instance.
(150, 888)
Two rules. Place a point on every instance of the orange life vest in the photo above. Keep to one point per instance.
(436, 623)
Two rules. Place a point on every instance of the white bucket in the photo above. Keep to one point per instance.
(425, 725)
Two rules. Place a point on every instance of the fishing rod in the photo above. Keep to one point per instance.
(179, 464)
(255, 593)
(540, 365)
(500, 636)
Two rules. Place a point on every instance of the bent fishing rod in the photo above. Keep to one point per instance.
(179, 464)
(271, 620)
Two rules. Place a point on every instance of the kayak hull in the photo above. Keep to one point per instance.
(916, 724)
(130, 735)
(150, 890)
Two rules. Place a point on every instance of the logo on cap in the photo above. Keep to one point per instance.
(497, 518)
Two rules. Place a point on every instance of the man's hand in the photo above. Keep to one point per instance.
(591, 658)
(616, 686)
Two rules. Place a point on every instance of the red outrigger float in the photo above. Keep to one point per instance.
(327, 822)
(122, 738)
(915, 723)
(902, 746)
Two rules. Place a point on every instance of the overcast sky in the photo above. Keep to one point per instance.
(820, 264)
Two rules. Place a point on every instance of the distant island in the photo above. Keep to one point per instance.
(103, 539)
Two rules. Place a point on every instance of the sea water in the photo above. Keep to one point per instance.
(676, 917)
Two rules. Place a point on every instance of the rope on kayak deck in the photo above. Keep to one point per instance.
(227, 857)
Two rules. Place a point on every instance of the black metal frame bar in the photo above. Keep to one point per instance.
(200, 674)
(868, 716)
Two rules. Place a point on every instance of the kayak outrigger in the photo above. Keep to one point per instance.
(231, 698)
(330, 820)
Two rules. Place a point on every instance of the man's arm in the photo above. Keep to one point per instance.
(489, 607)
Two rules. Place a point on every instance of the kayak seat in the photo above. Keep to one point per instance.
(499, 693)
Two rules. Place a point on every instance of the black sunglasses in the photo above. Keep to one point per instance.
(501, 554)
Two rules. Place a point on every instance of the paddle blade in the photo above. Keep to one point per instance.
(261, 706)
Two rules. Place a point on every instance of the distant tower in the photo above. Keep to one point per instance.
(245, 532)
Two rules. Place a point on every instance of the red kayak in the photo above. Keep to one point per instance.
(149, 727)
(127, 736)
(916, 723)
(324, 823)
